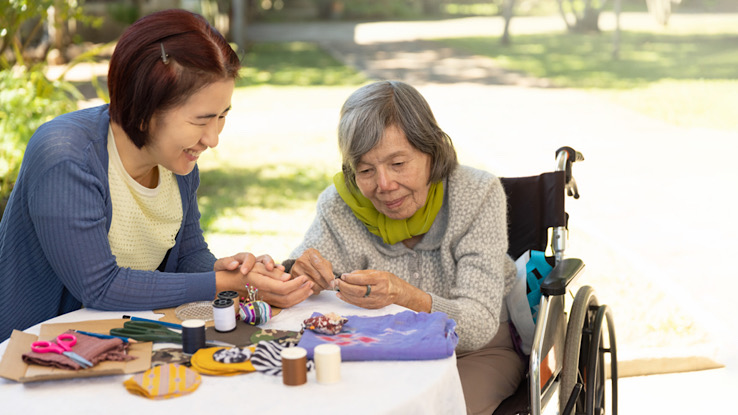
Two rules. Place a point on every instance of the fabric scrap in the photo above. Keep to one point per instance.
(267, 357)
(403, 336)
(203, 362)
(330, 323)
(164, 382)
(91, 348)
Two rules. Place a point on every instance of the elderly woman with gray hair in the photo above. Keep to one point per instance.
(405, 224)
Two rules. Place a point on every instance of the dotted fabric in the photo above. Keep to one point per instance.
(164, 382)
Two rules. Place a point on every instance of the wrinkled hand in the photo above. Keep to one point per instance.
(384, 288)
(316, 268)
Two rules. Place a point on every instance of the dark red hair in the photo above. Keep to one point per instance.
(141, 83)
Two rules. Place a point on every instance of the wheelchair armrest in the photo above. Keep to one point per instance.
(561, 275)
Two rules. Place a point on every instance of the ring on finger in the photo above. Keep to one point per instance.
(368, 291)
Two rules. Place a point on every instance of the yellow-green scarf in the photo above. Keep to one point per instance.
(391, 230)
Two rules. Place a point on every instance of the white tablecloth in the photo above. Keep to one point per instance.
(387, 387)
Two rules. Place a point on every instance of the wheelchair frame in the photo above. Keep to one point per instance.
(576, 363)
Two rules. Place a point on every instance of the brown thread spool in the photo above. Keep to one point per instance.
(294, 366)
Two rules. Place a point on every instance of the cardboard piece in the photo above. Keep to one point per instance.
(12, 366)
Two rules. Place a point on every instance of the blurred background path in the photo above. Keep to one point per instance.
(655, 221)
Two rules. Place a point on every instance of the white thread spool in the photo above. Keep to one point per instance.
(223, 315)
(327, 363)
(230, 295)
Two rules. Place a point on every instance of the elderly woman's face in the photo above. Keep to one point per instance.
(394, 175)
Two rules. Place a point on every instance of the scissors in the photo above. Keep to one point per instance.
(63, 345)
(147, 331)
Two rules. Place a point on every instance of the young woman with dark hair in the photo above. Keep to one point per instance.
(104, 212)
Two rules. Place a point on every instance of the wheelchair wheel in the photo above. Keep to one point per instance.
(584, 351)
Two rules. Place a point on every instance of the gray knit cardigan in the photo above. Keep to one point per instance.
(461, 262)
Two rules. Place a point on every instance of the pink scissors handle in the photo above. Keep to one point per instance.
(46, 347)
(66, 341)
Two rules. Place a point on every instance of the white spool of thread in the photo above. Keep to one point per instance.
(327, 363)
(223, 315)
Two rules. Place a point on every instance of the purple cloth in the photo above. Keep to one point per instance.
(404, 336)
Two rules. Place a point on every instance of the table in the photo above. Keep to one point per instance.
(379, 387)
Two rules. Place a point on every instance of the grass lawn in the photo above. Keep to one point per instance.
(259, 186)
(687, 79)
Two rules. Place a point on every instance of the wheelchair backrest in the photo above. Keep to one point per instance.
(534, 204)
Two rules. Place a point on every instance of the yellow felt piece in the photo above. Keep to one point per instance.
(164, 382)
(203, 362)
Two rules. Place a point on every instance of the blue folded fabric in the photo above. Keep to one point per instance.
(403, 336)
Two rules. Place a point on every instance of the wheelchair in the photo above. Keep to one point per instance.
(567, 361)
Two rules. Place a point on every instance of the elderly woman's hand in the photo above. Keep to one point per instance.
(316, 268)
(376, 289)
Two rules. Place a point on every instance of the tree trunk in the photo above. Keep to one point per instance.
(507, 12)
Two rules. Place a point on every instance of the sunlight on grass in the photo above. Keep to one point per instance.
(695, 104)
(685, 79)
(294, 63)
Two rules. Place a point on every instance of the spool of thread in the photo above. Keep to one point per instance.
(294, 366)
(230, 295)
(327, 363)
(223, 315)
(255, 312)
(193, 335)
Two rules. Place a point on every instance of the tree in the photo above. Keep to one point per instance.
(581, 15)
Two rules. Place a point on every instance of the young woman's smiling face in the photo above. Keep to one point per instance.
(394, 175)
(180, 135)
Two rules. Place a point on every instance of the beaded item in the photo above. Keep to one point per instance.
(330, 323)
(252, 310)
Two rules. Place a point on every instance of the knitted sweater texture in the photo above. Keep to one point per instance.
(461, 261)
(54, 250)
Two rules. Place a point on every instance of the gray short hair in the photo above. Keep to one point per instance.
(374, 107)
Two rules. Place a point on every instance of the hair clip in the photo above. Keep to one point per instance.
(164, 55)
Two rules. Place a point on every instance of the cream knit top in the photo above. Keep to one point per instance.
(145, 221)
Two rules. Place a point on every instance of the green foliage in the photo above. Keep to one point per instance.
(232, 191)
(123, 12)
(380, 9)
(14, 14)
(27, 100)
(295, 63)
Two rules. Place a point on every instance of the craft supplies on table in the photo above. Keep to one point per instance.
(63, 345)
(147, 330)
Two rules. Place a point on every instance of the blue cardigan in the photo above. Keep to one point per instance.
(54, 250)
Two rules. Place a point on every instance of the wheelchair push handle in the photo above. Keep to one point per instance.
(565, 156)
